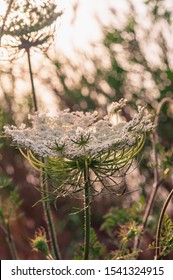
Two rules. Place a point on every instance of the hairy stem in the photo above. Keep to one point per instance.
(46, 207)
(49, 219)
(10, 242)
(157, 180)
(160, 223)
(32, 81)
(87, 213)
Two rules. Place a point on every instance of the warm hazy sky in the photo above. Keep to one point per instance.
(78, 31)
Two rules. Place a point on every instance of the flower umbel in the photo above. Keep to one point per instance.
(29, 24)
(69, 140)
(40, 244)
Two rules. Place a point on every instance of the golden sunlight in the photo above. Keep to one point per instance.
(2, 8)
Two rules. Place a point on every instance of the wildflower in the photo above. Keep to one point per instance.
(29, 24)
(117, 106)
(40, 244)
(129, 231)
(69, 140)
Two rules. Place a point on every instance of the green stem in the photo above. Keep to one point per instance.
(87, 213)
(46, 207)
(160, 223)
(10, 242)
(49, 219)
(32, 81)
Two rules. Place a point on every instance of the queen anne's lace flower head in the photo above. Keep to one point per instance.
(29, 24)
(76, 134)
(69, 139)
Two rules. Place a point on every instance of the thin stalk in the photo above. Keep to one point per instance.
(49, 219)
(10, 242)
(87, 213)
(32, 81)
(150, 202)
(5, 19)
(49, 257)
(160, 223)
(46, 207)
(157, 180)
(147, 213)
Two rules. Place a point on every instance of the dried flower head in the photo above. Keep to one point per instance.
(70, 139)
(129, 231)
(39, 243)
(29, 24)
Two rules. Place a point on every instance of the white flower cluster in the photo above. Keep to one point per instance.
(74, 135)
(117, 106)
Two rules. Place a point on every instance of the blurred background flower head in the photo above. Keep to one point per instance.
(28, 24)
